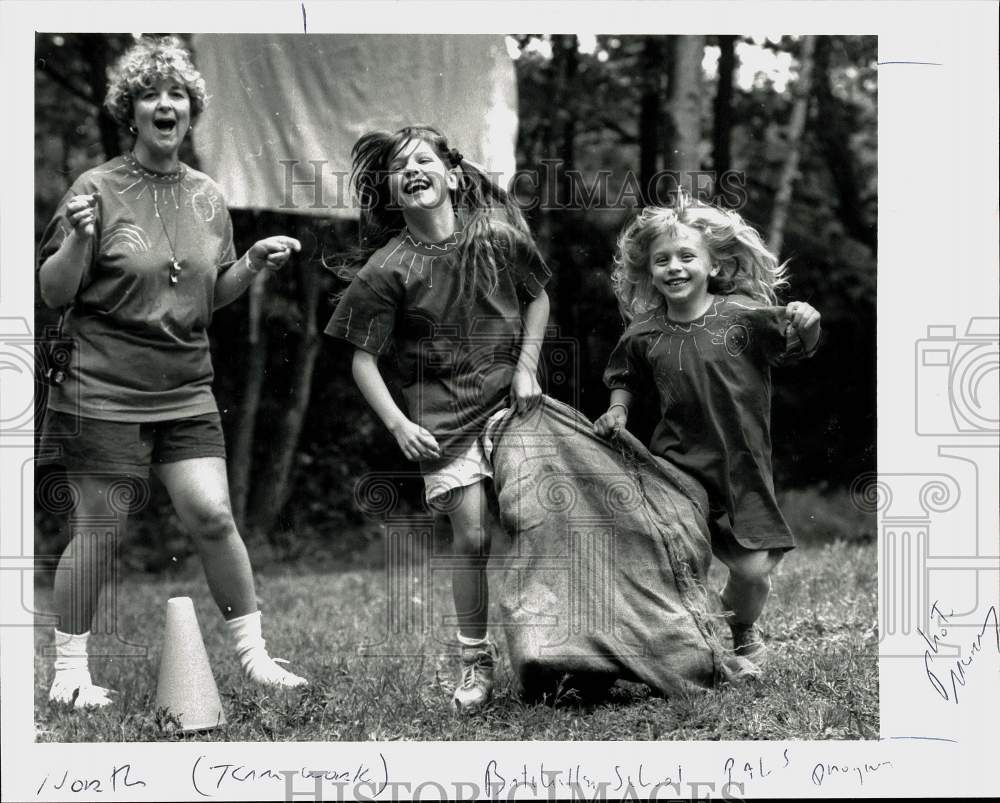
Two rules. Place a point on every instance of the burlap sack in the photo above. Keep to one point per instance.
(604, 573)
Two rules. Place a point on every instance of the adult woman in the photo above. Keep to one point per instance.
(139, 254)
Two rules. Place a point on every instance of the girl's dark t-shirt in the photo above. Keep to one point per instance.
(456, 357)
(713, 379)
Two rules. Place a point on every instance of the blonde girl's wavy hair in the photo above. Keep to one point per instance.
(494, 228)
(745, 264)
(150, 60)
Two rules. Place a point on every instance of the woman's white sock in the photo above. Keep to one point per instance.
(71, 651)
(257, 665)
(72, 682)
(246, 633)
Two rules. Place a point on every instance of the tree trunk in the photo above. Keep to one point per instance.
(241, 456)
(569, 310)
(682, 148)
(722, 124)
(793, 142)
(652, 64)
(570, 65)
(97, 47)
(833, 136)
(555, 218)
(272, 488)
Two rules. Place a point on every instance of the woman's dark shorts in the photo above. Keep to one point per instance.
(126, 448)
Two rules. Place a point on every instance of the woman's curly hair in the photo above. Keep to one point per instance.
(142, 65)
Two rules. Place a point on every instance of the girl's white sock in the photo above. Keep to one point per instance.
(257, 665)
(72, 682)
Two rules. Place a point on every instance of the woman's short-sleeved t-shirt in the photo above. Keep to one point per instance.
(141, 341)
(713, 379)
(456, 357)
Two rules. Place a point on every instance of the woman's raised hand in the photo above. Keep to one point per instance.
(81, 211)
(272, 252)
(415, 442)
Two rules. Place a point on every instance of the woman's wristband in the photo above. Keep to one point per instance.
(618, 404)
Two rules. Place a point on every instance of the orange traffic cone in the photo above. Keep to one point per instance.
(186, 686)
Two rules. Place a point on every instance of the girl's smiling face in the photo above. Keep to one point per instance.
(418, 178)
(162, 116)
(680, 267)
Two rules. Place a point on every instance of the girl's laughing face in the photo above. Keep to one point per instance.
(418, 178)
(680, 267)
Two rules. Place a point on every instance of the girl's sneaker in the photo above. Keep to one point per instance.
(476, 686)
(747, 643)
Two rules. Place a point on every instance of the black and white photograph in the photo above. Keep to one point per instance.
(413, 410)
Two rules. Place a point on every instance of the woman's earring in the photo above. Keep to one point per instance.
(133, 130)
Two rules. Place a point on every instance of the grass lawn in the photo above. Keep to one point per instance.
(821, 683)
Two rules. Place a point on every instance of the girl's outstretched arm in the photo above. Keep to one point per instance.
(524, 388)
(614, 420)
(414, 441)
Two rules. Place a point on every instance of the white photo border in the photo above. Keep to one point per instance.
(937, 267)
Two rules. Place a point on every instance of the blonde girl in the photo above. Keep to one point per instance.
(697, 288)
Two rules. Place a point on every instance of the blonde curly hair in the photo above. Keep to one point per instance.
(745, 265)
(142, 65)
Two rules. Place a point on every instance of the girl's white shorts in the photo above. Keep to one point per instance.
(472, 467)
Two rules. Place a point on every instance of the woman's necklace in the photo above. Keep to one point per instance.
(175, 264)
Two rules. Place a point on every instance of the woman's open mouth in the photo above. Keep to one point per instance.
(165, 125)
(680, 282)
